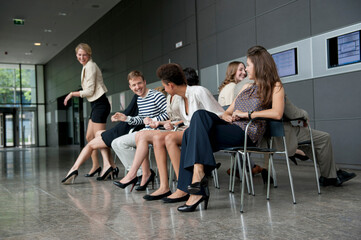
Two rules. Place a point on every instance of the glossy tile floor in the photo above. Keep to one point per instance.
(35, 205)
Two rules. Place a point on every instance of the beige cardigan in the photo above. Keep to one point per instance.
(92, 82)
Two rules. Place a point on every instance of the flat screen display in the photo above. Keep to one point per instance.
(286, 62)
(344, 49)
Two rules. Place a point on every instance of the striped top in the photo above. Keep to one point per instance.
(248, 100)
(153, 105)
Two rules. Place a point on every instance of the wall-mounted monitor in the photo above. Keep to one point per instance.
(286, 62)
(344, 49)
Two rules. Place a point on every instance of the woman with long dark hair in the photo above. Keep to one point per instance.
(208, 133)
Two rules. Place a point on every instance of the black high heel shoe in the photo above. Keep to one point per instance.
(195, 188)
(150, 179)
(301, 157)
(124, 185)
(115, 172)
(264, 174)
(106, 175)
(70, 178)
(191, 208)
(99, 170)
(293, 159)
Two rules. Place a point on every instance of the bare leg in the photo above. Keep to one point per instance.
(160, 153)
(105, 152)
(173, 141)
(84, 155)
(93, 128)
(142, 139)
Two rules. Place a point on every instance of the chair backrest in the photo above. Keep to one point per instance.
(275, 128)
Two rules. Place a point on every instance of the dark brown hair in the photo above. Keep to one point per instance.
(171, 72)
(265, 73)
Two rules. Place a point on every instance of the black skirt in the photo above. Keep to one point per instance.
(100, 109)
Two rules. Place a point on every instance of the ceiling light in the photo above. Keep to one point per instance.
(62, 14)
(28, 53)
(37, 44)
(47, 30)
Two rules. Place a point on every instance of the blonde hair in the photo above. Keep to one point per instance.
(230, 74)
(85, 47)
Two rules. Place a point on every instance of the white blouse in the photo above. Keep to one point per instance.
(198, 98)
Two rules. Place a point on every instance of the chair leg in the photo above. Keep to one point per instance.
(230, 174)
(289, 172)
(215, 178)
(250, 173)
(240, 174)
(243, 179)
(270, 169)
(170, 174)
(314, 161)
(274, 175)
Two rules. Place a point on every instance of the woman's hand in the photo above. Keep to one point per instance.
(68, 97)
(238, 115)
(168, 126)
(227, 117)
(154, 124)
(118, 117)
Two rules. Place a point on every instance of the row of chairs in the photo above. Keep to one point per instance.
(275, 128)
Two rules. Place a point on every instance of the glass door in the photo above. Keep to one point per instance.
(27, 128)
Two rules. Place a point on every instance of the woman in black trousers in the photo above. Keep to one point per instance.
(208, 133)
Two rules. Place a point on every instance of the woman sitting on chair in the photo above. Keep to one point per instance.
(208, 133)
(185, 100)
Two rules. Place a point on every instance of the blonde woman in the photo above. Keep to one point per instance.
(94, 90)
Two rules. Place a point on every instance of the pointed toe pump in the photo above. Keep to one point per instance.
(150, 179)
(106, 175)
(124, 185)
(192, 208)
(99, 170)
(70, 178)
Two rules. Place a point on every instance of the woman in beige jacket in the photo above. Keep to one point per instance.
(94, 90)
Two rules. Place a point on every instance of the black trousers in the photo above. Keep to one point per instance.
(207, 133)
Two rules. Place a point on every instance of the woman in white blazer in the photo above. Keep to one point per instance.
(94, 90)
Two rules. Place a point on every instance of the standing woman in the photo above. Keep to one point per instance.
(208, 133)
(94, 90)
(236, 72)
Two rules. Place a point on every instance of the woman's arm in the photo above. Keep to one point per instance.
(70, 95)
(227, 115)
(275, 112)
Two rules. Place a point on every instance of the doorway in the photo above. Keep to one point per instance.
(7, 129)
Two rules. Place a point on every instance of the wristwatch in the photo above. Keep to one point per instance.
(249, 114)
